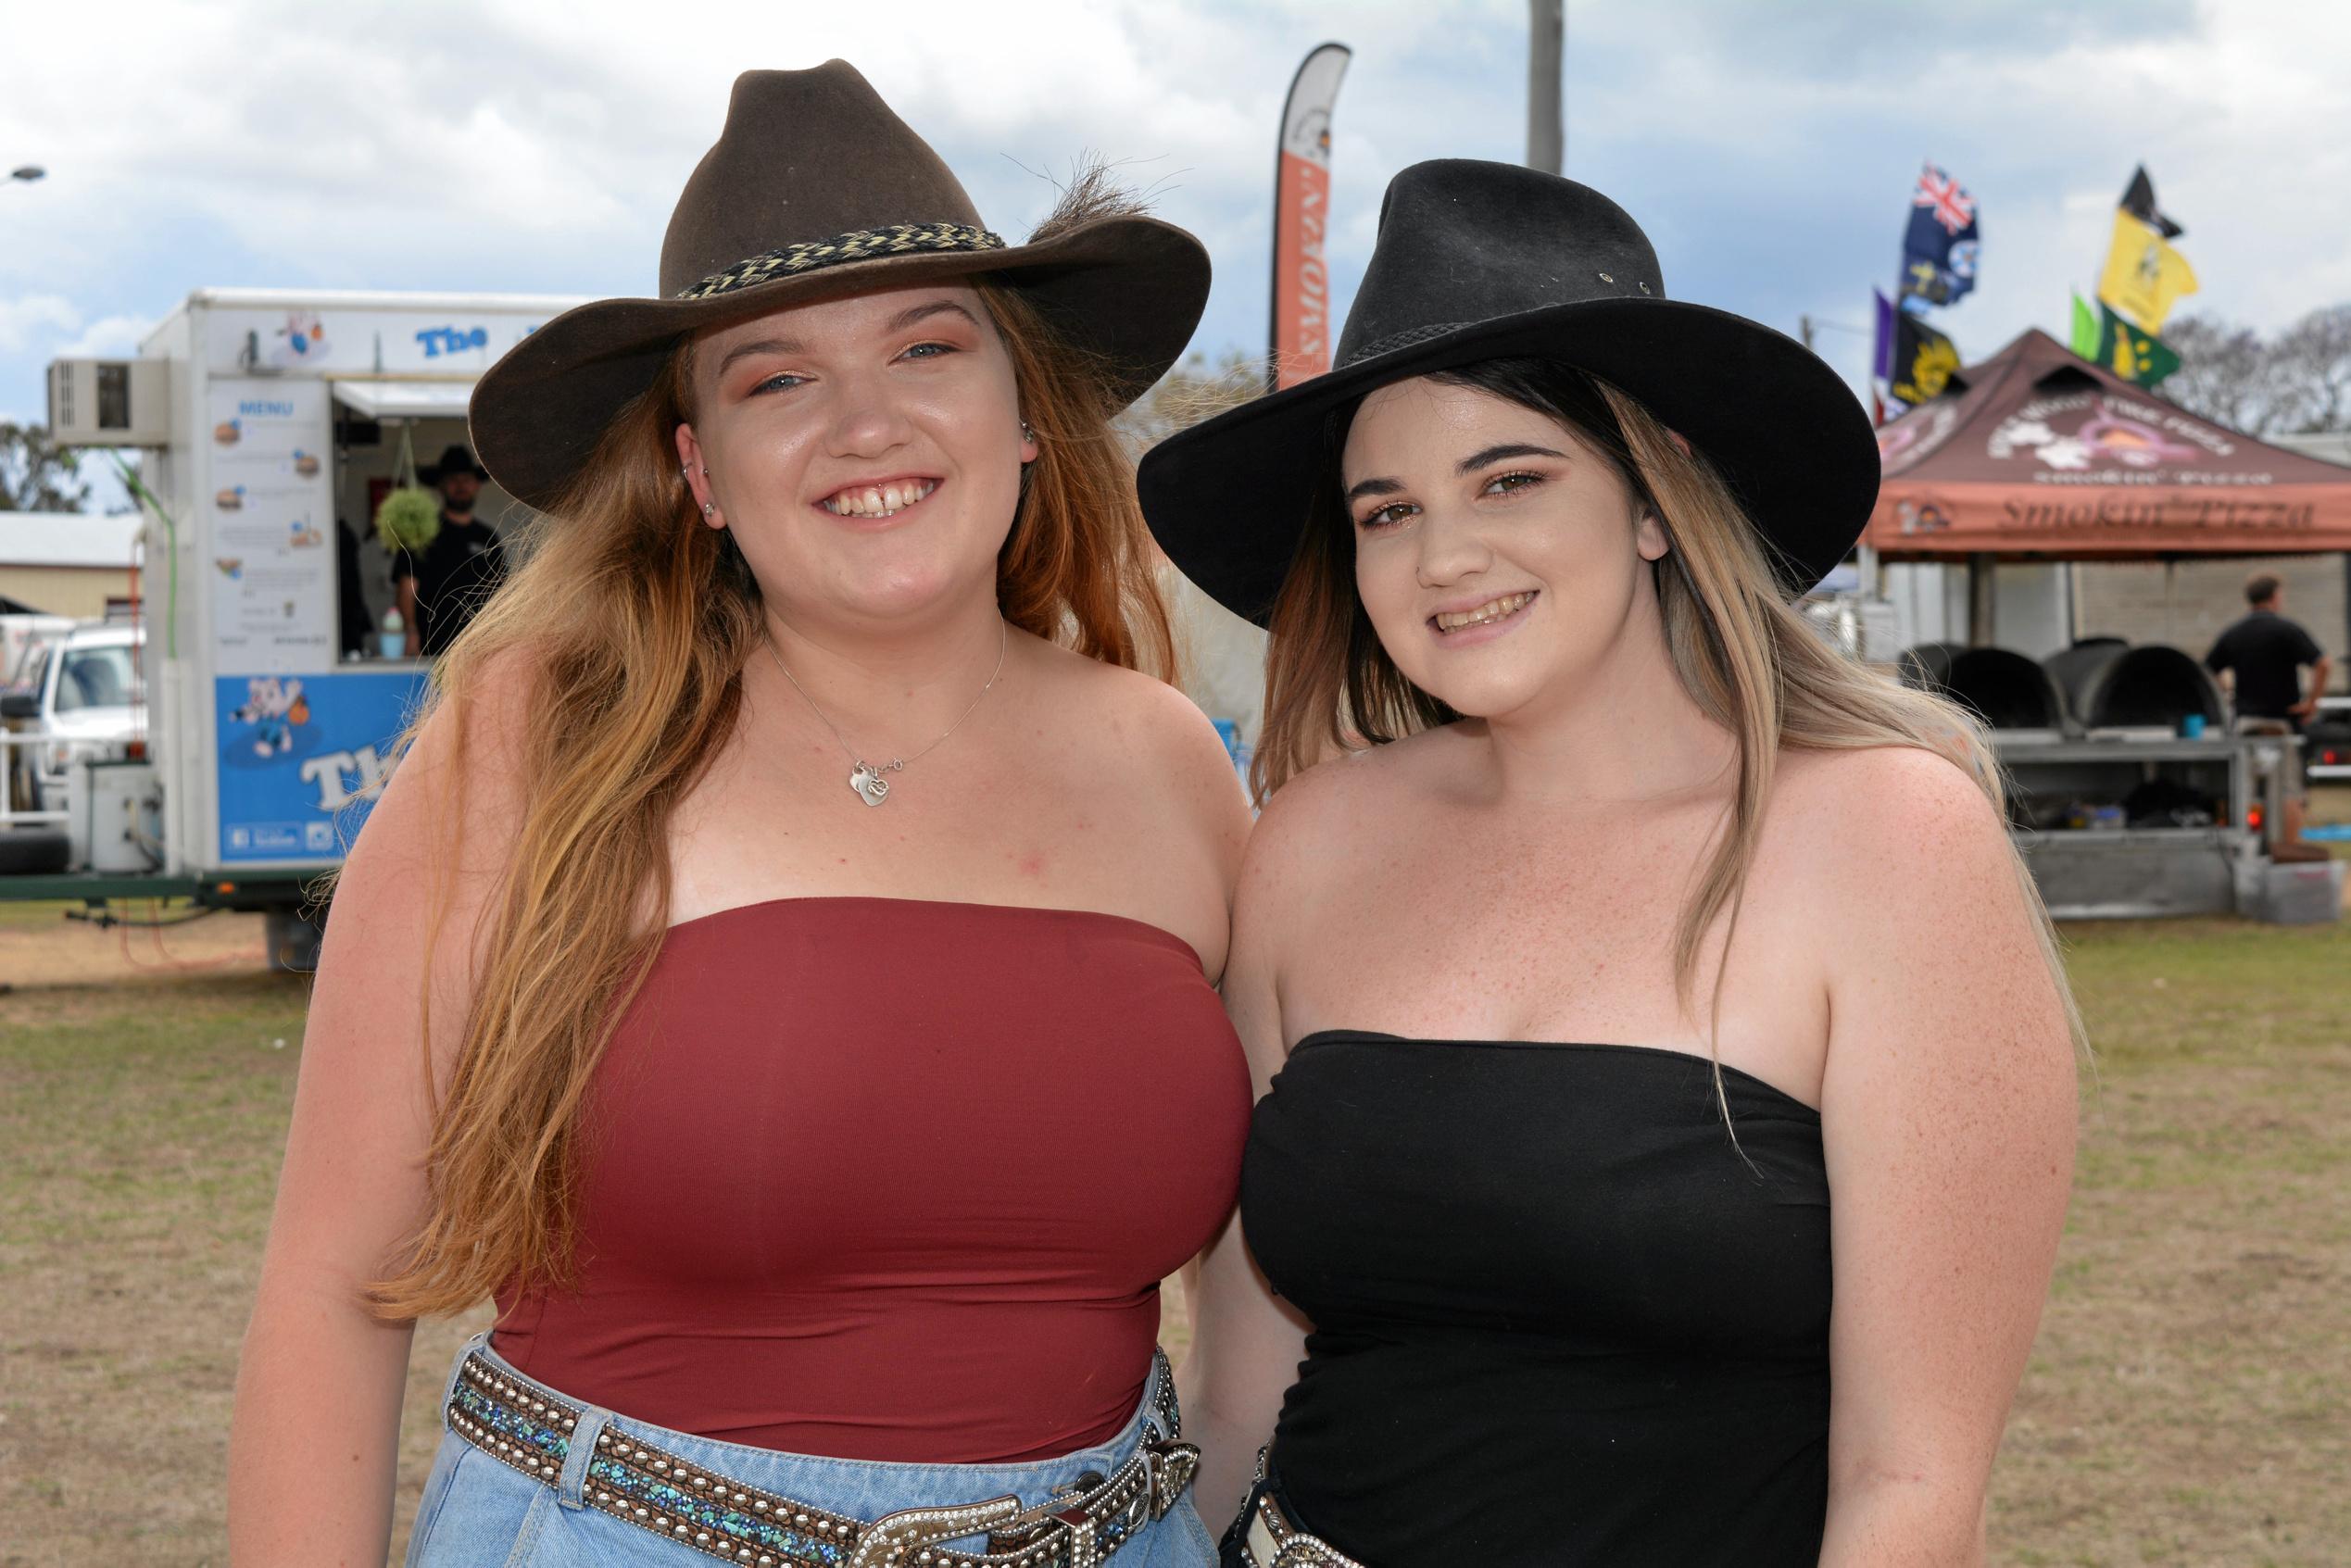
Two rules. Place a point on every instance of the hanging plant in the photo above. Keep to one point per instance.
(409, 518)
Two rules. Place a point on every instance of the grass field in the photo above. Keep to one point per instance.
(2185, 1403)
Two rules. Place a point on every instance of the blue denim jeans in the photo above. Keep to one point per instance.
(479, 1512)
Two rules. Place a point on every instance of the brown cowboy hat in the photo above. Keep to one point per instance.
(814, 190)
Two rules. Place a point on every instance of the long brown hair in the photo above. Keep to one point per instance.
(1746, 657)
(637, 621)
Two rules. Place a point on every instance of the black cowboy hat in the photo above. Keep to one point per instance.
(815, 189)
(1487, 261)
(454, 459)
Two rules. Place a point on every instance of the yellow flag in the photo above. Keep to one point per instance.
(2144, 274)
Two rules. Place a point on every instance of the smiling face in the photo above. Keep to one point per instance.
(865, 452)
(1497, 555)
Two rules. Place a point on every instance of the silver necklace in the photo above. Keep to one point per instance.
(865, 778)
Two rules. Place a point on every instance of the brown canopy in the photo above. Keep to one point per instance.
(2044, 455)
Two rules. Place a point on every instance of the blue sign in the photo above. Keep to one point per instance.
(302, 758)
(439, 340)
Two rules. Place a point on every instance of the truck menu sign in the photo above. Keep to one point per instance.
(270, 567)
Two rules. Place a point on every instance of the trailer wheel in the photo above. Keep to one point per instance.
(34, 851)
(293, 940)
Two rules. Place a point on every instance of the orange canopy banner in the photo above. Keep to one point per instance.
(2038, 453)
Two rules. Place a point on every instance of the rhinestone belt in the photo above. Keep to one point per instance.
(529, 1428)
(1272, 1541)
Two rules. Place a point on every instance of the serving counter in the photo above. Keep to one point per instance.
(2131, 825)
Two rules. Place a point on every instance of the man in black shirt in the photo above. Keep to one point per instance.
(442, 585)
(2262, 656)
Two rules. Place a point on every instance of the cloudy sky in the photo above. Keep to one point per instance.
(1768, 146)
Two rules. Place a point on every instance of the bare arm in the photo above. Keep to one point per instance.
(1948, 1118)
(406, 587)
(1247, 1343)
(2308, 706)
(312, 1443)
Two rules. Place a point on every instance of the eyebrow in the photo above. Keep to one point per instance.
(1470, 464)
(898, 323)
(759, 345)
(1477, 460)
(912, 314)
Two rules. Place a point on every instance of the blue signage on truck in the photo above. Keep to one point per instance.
(299, 756)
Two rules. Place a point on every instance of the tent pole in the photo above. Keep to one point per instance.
(1980, 584)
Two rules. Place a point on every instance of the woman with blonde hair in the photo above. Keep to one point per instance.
(780, 974)
(1637, 966)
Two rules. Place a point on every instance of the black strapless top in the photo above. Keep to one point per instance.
(1558, 1319)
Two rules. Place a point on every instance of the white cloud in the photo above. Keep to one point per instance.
(1769, 148)
(24, 320)
(109, 337)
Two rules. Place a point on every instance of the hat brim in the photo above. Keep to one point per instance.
(1228, 499)
(1126, 292)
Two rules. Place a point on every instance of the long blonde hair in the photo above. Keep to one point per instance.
(1744, 654)
(637, 621)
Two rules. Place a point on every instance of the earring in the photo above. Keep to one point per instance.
(1027, 435)
(709, 507)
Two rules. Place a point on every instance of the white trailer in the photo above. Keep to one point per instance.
(270, 419)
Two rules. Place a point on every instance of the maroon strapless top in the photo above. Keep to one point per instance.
(887, 1179)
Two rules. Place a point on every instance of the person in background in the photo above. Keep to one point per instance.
(442, 586)
(2262, 657)
(355, 623)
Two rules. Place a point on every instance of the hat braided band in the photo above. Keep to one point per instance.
(862, 244)
(1405, 339)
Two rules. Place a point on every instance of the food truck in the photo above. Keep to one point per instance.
(268, 420)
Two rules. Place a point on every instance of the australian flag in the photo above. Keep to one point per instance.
(1939, 251)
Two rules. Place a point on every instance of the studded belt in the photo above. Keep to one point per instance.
(1272, 1541)
(530, 1429)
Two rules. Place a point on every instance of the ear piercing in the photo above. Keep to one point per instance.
(709, 507)
(1027, 435)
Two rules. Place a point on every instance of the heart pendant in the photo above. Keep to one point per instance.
(870, 786)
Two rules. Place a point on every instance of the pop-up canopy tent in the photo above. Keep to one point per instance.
(2044, 455)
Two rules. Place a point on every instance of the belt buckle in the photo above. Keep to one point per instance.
(1173, 1466)
(891, 1538)
(1065, 1511)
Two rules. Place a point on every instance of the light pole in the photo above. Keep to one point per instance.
(1546, 130)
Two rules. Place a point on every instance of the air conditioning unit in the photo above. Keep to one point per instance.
(109, 403)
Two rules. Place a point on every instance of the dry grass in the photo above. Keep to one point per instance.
(2184, 1404)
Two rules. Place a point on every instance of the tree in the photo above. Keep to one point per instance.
(2314, 357)
(36, 476)
(2297, 381)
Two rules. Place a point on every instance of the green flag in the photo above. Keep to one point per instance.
(2132, 354)
(2086, 330)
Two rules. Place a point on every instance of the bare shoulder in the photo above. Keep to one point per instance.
(1156, 737)
(1897, 831)
(455, 798)
(1315, 817)
(1133, 713)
